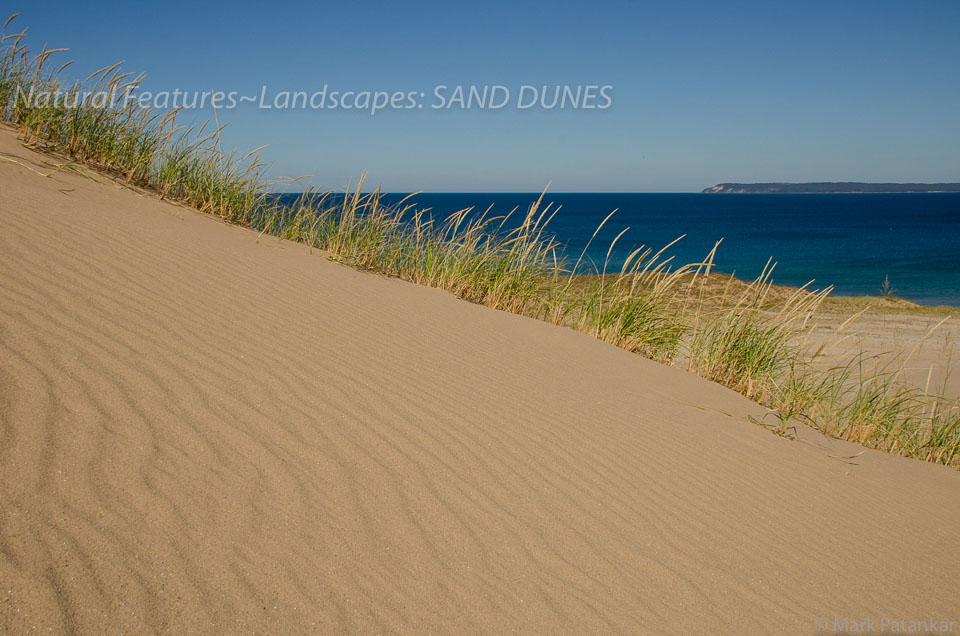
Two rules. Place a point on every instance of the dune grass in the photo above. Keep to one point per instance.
(747, 338)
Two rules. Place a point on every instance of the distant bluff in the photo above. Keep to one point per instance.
(827, 187)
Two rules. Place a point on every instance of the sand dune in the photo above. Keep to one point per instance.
(207, 432)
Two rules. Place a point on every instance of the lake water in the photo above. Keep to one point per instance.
(851, 241)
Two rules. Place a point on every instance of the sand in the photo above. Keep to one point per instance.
(924, 349)
(203, 431)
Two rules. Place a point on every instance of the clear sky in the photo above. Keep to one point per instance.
(703, 92)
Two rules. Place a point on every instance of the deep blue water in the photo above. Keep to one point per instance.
(851, 241)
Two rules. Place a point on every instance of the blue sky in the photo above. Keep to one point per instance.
(703, 92)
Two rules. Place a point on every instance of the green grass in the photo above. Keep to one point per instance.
(749, 336)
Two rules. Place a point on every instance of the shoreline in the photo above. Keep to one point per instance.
(919, 344)
(806, 241)
(833, 303)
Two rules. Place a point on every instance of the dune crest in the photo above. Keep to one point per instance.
(207, 431)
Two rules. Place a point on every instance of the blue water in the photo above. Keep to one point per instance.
(850, 241)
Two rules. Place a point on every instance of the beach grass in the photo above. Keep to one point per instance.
(750, 336)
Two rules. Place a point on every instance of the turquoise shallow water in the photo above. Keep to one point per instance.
(851, 241)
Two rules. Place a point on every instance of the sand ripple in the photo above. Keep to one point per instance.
(200, 432)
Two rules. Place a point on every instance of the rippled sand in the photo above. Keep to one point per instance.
(206, 432)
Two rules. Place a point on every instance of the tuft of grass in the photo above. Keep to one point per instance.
(90, 124)
(886, 289)
(745, 345)
(749, 336)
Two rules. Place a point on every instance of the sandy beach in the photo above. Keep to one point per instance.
(209, 431)
(924, 347)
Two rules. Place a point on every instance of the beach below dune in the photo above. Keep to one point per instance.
(207, 430)
(918, 344)
(921, 349)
